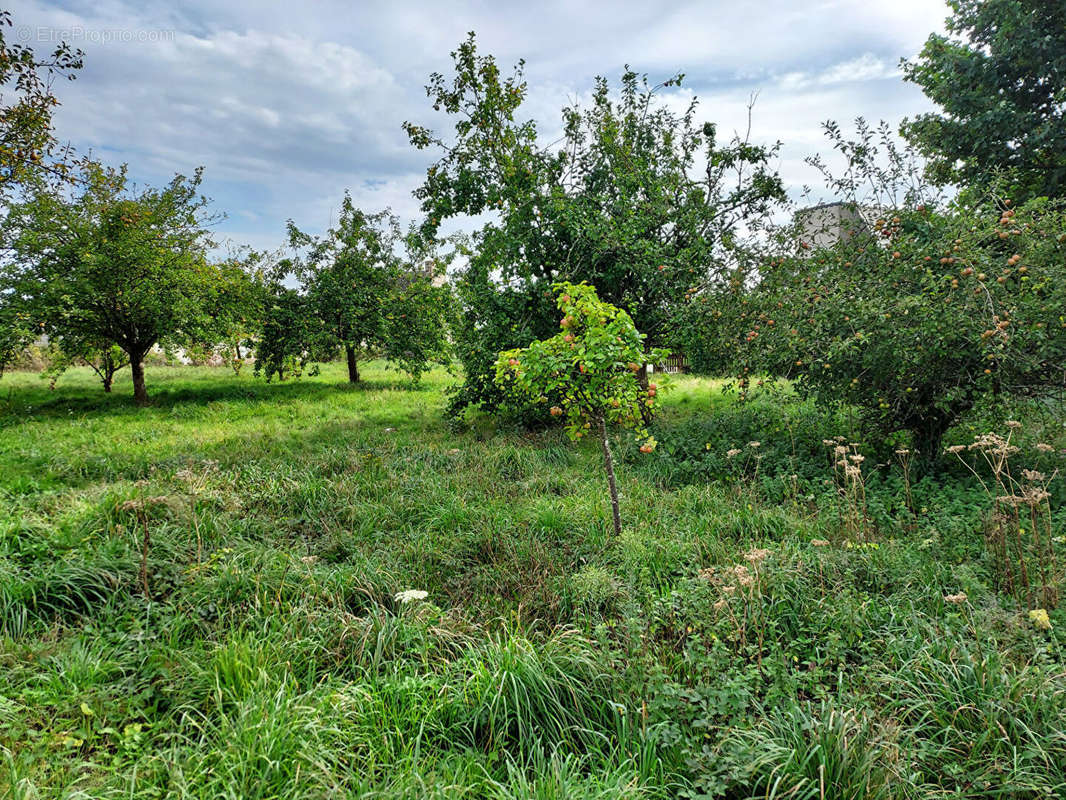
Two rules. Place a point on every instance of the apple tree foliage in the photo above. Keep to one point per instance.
(635, 199)
(371, 290)
(999, 78)
(589, 370)
(291, 335)
(98, 263)
(28, 147)
(16, 329)
(928, 307)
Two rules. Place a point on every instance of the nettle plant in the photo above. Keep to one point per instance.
(590, 371)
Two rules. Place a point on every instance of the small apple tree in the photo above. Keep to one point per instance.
(589, 370)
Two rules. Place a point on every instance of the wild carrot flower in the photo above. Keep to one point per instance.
(408, 595)
(955, 599)
(755, 555)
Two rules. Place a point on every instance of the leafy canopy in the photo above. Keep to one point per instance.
(590, 366)
(290, 336)
(27, 140)
(349, 274)
(999, 77)
(946, 308)
(101, 263)
(364, 288)
(634, 199)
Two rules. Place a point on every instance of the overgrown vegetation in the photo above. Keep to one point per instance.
(913, 310)
(736, 640)
(635, 199)
(324, 588)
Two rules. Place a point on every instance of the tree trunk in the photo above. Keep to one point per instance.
(353, 368)
(109, 369)
(608, 464)
(642, 380)
(927, 438)
(140, 394)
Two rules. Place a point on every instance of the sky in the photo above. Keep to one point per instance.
(287, 105)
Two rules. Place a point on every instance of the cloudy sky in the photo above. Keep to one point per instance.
(288, 104)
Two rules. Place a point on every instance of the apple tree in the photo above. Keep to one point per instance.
(589, 371)
(930, 307)
(372, 290)
(635, 198)
(240, 296)
(99, 263)
(290, 334)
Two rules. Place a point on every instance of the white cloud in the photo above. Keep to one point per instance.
(286, 106)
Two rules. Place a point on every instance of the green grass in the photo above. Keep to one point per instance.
(550, 658)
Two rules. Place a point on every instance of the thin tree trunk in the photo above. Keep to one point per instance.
(140, 393)
(353, 367)
(642, 380)
(608, 464)
(110, 369)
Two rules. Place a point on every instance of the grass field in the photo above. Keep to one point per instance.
(746, 636)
